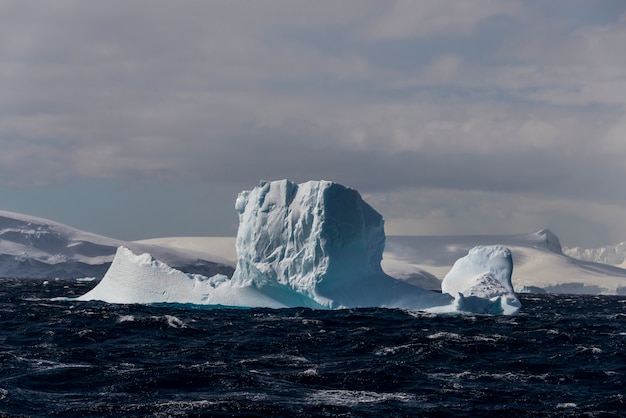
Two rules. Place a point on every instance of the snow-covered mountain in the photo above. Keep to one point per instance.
(611, 254)
(32, 247)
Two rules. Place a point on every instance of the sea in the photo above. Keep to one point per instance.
(561, 356)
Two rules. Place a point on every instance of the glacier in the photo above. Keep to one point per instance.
(319, 245)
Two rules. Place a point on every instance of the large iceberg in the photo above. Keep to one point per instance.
(317, 245)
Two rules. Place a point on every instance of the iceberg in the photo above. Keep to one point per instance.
(481, 281)
(319, 245)
(319, 241)
(142, 279)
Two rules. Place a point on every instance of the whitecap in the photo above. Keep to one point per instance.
(419, 314)
(126, 318)
(309, 373)
(174, 322)
(43, 366)
(592, 349)
(392, 350)
(488, 338)
(444, 336)
(287, 358)
(451, 377)
(352, 398)
(84, 332)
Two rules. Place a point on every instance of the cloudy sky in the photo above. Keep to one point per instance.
(145, 118)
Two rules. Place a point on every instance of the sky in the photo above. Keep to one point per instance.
(145, 118)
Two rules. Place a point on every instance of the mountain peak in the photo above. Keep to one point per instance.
(551, 240)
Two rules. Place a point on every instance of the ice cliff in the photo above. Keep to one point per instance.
(320, 240)
(318, 245)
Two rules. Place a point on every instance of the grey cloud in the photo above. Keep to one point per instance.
(231, 92)
(257, 152)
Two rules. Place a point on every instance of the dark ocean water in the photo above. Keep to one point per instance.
(562, 356)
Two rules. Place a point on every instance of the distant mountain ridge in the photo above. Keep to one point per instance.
(611, 254)
(32, 247)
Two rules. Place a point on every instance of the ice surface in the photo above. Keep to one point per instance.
(317, 244)
(482, 281)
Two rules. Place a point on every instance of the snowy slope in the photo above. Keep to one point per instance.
(32, 247)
